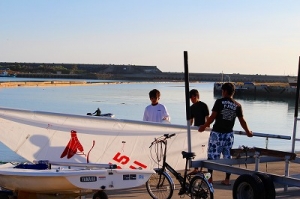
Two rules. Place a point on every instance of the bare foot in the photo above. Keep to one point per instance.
(225, 182)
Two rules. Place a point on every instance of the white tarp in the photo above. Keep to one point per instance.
(37, 135)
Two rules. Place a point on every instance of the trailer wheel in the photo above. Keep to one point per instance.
(268, 184)
(247, 186)
(100, 195)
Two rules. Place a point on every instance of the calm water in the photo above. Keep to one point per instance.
(128, 100)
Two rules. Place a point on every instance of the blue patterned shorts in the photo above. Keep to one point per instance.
(219, 143)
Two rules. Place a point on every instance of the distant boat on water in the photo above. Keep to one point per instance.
(6, 74)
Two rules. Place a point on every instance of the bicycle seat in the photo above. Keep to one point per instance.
(188, 154)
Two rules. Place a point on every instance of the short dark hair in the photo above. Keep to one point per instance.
(194, 92)
(229, 87)
(154, 93)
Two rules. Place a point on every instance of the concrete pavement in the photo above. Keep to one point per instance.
(221, 191)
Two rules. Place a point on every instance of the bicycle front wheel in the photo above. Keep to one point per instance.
(200, 189)
(160, 186)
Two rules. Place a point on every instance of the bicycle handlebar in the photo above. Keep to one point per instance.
(162, 138)
(169, 135)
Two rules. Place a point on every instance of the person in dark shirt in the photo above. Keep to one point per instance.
(199, 110)
(199, 114)
(97, 112)
(224, 113)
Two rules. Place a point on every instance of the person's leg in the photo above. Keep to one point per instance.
(210, 180)
(228, 140)
(213, 152)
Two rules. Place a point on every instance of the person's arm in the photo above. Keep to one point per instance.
(145, 118)
(206, 118)
(192, 121)
(167, 118)
(167, 115)
(245, 126)
(210, 119)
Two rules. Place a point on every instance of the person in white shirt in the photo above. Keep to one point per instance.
(156, 112)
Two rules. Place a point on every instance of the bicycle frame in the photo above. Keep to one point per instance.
(165, 166)
(196, 186)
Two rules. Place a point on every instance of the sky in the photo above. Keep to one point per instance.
(229, 36)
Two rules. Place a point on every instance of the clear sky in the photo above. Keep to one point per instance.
(233, 36)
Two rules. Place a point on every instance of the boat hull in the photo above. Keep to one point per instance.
(63, 180)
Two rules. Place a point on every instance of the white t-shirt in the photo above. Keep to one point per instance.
(156, 113)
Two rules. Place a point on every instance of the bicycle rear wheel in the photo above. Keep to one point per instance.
(160, 186)
(200, 189)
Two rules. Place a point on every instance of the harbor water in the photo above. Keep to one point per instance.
(128, 101)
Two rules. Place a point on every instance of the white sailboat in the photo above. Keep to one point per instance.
(75, 140)
(37, 135)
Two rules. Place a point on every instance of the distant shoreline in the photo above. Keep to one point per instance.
(51, 83)
(11, 84)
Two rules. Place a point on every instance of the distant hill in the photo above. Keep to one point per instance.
(123, 72)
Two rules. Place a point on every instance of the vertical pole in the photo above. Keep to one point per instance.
(286, 170)
(296, 110)
(187, 99)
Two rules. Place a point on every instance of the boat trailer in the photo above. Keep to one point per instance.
(263, 187)
(260, 184)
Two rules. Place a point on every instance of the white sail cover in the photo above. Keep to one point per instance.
(37, 135)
